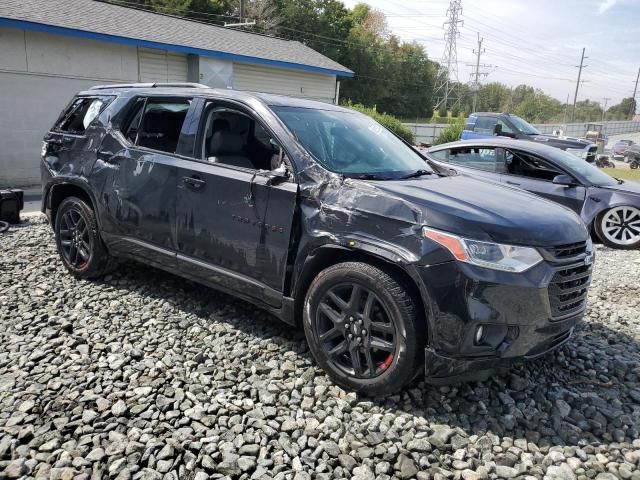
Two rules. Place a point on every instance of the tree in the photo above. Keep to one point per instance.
(622, 111)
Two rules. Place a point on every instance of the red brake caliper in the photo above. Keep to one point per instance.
(387, 363)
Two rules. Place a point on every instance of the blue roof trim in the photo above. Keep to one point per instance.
(40, 27)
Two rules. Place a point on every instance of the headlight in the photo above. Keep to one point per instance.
(508, 258)
(578, 152)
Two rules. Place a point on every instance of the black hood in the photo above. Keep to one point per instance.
(487, 211)
(558, 142)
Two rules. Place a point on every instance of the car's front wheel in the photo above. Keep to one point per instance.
(619, 227)
(78, 241)
(363, 328)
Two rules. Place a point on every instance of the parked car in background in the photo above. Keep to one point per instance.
(322, 217)
(632, 155)
(610, 207)
(490, 124)
(620, 147)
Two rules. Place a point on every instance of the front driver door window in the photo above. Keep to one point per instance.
(234, 216)
(536, 175)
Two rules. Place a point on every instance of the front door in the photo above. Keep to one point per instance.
(536, 175)
(234, 219)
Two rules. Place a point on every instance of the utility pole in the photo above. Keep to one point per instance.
(241, 10)
(633, 99)
(448, 70)
(475, 82)
(575, 97)
(604, 108)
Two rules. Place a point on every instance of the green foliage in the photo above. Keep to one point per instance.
(388, 121)
(450, 134)
(622, 111)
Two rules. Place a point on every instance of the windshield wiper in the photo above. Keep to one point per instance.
(417, 173)
(368, 176)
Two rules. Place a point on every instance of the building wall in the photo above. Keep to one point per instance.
(39, 74)
(295, 83)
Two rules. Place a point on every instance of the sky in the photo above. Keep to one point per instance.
(536, 42)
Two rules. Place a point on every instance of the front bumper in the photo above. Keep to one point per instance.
(523, 316)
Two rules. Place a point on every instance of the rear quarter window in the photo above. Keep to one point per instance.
(80, 114)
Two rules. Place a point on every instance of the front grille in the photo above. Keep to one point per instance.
(568, 290)
(562, 252)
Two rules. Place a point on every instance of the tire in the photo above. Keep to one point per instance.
(634, 164)
(379, 313)
(625, 237)
(78, 241)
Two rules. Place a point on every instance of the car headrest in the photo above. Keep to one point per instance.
(225, 143)
(156, 122)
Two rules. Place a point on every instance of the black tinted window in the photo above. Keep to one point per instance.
(79, 115)
(160, 124)
(474, 157)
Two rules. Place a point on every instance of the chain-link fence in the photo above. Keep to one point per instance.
(426, 132)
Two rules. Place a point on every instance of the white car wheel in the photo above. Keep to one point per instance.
(620, 227)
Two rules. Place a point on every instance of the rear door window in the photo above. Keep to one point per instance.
(157, 125)
(481, 158)
(485, 125)
(79, 115)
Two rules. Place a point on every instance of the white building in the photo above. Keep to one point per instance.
(49, 50)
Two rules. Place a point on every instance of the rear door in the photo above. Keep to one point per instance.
(234, 222)
(136, 173)
(536, 175)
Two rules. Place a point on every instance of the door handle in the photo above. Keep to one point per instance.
(513, 183)
(194, 182)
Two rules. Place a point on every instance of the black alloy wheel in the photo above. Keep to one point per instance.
(78, 240)
(356, 332)
(75, 242)
(363, 328)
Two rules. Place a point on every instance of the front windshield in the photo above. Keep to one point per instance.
(351, 143)
(583, 169)
(523, 126)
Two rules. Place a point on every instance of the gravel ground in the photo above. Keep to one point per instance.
(146, 375)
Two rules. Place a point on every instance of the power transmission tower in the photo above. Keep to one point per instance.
(448, 72)
(575, 97)
(604, 108)
(477, 73)
(633, 99)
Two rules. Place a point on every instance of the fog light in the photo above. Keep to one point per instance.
(479, 334)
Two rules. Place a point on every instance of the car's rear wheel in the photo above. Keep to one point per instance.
(619, 227)
(363, 328)
(634, 164)
(78, 241)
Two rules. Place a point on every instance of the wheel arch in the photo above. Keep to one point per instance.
(61, 190)
(328, 255)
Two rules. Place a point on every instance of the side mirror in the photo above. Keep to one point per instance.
(565, 180)
(277, 175)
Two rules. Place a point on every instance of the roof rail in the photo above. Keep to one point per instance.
(149, 85)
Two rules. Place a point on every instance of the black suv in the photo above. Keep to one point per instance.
(490, 124)
(324, 218)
